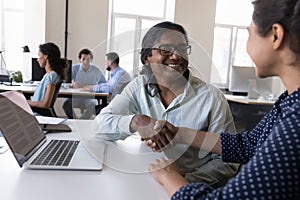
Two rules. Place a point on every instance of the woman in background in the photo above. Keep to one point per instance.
(271, 151)
(49, 57)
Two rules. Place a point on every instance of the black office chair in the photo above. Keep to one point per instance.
(50, 112)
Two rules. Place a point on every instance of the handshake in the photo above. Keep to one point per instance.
(158, 134)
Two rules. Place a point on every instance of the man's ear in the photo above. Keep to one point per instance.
(277, 35)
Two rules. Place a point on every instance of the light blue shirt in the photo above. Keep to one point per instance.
(200, 107)
(118, 77)
(91, 76)
(49, 78)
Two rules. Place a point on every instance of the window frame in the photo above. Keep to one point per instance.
(137, 31)
(234, 30)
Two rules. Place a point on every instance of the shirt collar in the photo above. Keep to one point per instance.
(115, 71)
(285, 101)
(80, 68)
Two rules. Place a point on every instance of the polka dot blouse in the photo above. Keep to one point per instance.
(270, 152)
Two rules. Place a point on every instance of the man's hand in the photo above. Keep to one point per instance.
(164, 134)
(143, 124)
(88, 88)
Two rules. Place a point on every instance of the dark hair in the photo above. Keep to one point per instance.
(113, 57)
(57, 64)
(155, 33)
(285, 12)
(86, 52)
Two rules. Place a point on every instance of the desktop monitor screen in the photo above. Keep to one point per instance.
(239, 80)
(69, 72)
(37, 72)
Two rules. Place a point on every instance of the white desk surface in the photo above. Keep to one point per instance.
(124, 175)
(246, 100)
(30, 88)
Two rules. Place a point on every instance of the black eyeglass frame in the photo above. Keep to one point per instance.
(168, 50)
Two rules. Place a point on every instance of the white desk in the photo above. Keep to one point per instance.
(109, 184)
(28, 90)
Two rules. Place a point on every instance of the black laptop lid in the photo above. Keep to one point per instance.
(20, 129)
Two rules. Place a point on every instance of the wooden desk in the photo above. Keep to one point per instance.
(124, 175)
(28, 90)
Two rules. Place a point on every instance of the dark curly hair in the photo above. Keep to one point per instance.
(57, 64)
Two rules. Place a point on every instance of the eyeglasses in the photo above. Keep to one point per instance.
(168, 50)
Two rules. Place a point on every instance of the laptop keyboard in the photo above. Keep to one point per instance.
(57, 153)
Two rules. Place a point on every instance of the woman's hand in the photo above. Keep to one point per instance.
(167, 174)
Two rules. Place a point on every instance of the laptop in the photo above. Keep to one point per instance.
(30, 146)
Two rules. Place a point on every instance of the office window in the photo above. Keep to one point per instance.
(230, 37)
(129, 24)
(12, 33)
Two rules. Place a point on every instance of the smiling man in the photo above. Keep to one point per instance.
(166, 90)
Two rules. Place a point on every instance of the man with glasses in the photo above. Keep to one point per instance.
(166, 90)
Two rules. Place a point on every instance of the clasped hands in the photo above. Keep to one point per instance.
(156, 133)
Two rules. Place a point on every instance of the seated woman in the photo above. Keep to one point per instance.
(271, 151)
(55, 66)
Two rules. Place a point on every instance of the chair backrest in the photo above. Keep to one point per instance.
(50, 112)
(56, 91)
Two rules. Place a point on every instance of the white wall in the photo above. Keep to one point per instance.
(198, 18)
(88, 23)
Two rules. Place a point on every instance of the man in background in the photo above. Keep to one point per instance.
(118, 78)
(83, 73)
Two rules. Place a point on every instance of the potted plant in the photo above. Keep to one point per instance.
(17, 76)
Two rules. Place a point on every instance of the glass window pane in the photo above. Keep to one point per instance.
(221, 53)
(153, 8)
(14, 40)
(234, 12)
(241, 57)
(146, 25)
(14, 4)
(124, 25)
(123, 41)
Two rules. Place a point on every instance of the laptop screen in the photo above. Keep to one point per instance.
(20, 129)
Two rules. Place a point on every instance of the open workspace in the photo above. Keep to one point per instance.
(161, 99)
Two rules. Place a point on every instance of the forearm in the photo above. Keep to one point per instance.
(139, 121)
(210, 142)
(40, 104)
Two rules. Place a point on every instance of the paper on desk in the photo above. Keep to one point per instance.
(50, 120)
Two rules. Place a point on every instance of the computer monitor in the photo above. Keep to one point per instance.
(69, 72)
(239, 81)
(38, 72)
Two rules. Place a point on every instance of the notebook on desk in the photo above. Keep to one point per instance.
(29, 144)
